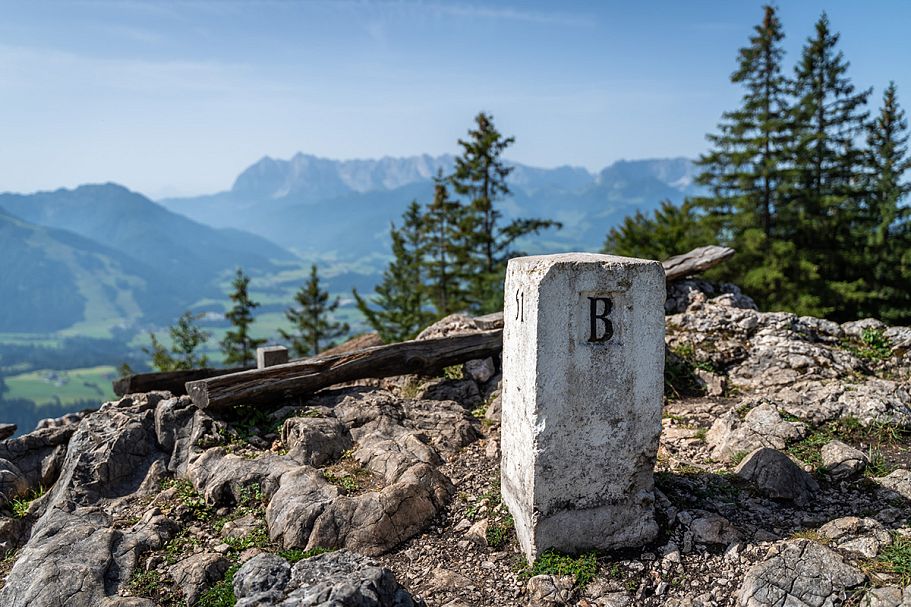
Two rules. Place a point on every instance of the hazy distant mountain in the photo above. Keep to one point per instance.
(52, 279)
(114, 216)
(342, 208)
(103, 252)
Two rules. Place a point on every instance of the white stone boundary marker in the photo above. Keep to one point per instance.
(269, 356)
(583, 379)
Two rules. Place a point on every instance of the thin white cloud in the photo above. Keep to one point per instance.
(506, 13)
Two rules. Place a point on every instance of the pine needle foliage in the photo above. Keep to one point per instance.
(313, 328)
(238, 346)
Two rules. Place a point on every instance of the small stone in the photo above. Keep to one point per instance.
(477, 533)
(711, 528)
(777, 476)
(888, 596)
(462, 525)
(842, 462)
(863, 537)
(480, 370)
(549, 590)
(197, 572)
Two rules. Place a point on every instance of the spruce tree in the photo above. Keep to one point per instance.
(401, 303)
(447, 250)
(313, 327)
(238, 346)
(747, 172)
(825, 192)
(886, 219)
(186, 338)
(670, 231)
(480, 176)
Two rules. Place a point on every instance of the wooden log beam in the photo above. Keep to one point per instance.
(172, 381)
(696, 261)
(274, 384)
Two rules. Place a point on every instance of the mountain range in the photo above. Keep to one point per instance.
(343, 208)
(101, 253)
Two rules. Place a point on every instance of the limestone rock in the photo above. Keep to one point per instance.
(328, 580)
(454, 324)
(777, 476)
(221, 477)
(888, 596)
(480, 370)
(862, 537)
(711, 528)
(494, 410)
(898, 481)
(463, 391)
(856, 328)
(307, 511)
(798, 572)
(445, 579)
(549, 590)
(262, 580)
(712, 383)
(32, 460)
(477, 533)
(762, 426)
(842, 462)
(6, 431)
(197, 572)
(11, 532)
(899, 338)
(315, 440)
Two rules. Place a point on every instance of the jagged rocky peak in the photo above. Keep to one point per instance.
(783, 477)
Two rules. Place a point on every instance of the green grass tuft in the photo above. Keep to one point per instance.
(295, 554)
(896, 559)
(499, 532)
(583, 567)
(222, 593)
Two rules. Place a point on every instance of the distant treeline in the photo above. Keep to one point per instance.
(71, 353)
(805, 184)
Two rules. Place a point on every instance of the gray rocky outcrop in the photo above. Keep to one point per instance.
(328, 580)
(799, 572)
(861, 537)
(762, 426)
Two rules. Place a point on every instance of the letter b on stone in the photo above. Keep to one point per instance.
(602, 329)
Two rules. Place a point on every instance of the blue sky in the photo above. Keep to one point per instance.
(178, 98)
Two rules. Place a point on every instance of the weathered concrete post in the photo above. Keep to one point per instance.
(269, 356)
(583, 377)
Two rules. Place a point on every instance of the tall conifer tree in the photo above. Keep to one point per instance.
(480, 176)
(887, 218)
(239, 347)
(186, 338)
(447, 250)
(672, 230)
(401, 303)
(746, 172)
(826, 191)
(313, 326)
